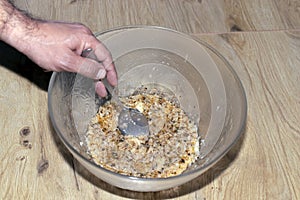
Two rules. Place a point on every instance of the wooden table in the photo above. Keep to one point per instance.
(260, 39)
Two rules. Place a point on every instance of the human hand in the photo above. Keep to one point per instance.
(57, 46)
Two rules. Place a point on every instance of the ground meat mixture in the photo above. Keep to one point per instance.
(171, 146)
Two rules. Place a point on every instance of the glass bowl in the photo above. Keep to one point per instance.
(204, 83)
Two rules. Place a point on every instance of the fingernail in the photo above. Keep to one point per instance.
(101, 74)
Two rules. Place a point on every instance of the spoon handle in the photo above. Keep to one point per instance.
(89, 53)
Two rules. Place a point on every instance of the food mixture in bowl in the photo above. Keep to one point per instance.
(171, 146)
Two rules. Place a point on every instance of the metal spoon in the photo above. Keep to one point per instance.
(131, 121)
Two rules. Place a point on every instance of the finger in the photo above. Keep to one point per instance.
(112, 77)
(88, 67)
(100, 89)
(105, 57)
(103, 54)
(111, 74)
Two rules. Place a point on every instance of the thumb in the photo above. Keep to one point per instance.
(88, 67)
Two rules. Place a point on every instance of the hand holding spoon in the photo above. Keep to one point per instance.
(131, 121)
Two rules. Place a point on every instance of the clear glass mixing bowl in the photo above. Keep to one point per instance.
(204, 83)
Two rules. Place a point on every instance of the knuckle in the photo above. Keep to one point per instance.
(85, 29)
(82, 28)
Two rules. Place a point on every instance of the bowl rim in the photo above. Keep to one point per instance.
(206, 165)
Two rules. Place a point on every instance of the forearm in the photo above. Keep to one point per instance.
(15, 26)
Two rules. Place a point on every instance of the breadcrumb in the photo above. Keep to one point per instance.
(170, 148)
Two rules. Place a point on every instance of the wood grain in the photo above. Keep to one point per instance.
(190, 16)
(264, 164)
(268, 65)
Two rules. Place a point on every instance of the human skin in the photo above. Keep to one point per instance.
(57, 46)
